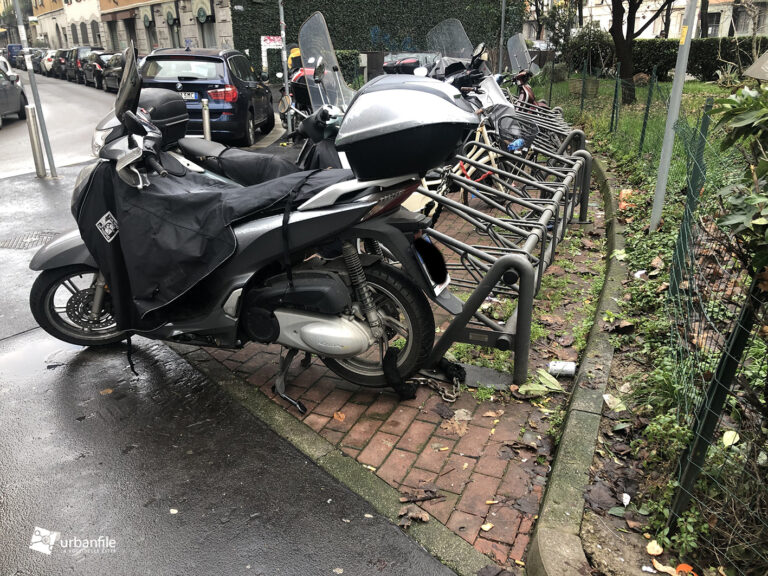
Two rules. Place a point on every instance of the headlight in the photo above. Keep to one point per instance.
(97, 141)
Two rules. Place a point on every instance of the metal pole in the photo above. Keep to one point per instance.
(284, 54)
(207, 120)
(551, 81)
(33, 87)
(583, 84)
(673, 112)
(501, 34)
(614, 115)
(34, 140)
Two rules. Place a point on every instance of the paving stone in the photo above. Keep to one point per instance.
(352, 413)
(382, 407)
(309, 406)
(506, 522)
(442, 508)
(333, 402)
(399, 420)
(427, 414)
(416, 477)
(526, 524)
(366, 397)
(396, 467)
(361, 433)
(417, 436)
(315, 421)
(263, 374)
(472, 443)
(433, 459)
(486, 421)
(309, 376)
(232, 364)
(351, 452)
(455, 473)
(479, 489)
(495, 550)
(319, 390)
(333, 436)
(490, 463)
(465, 525)
(515, 482)
(466, 401)
(377, 449)
(518, 550)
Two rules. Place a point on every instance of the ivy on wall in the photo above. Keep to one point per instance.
(388, 25)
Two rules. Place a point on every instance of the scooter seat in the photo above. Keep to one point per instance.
(243, 166)
(200, 148)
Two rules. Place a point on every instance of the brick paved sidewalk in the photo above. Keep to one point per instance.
(494, 474)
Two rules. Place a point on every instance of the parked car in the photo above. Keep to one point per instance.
(13, 50)
(5, 66)
(113, 72)
(21, 62)
(59, 65)
(75, 60)
(93, 67)
(238, 98)
(37, 57)
(12, 97)
(46, 63)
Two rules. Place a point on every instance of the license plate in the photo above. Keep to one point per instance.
(189, 95)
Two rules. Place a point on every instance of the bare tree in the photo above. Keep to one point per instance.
(622, 40)
(704, 16)
(538, 13)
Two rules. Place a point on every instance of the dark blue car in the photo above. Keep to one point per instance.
(239, 101)
(13, 51)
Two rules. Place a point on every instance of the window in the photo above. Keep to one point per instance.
(130, 30)
(112, 31)
(183, 68)
(96, 33)
(173, 34)
(242, 68)
(151, 35)
(713, 24)
(741, 21)
(84, 32)
(73, 28)
(207, 33)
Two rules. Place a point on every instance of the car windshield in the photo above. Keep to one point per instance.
(315, 43)
(105, 58)
(450, 40)
(183, 69)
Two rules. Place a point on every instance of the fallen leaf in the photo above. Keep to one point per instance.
(106, 391)
(662, 568)
(463, 415)
(339, 416)
(730, 437)
(453, 426)
(654, 549)
(614, 404)
(762, 278)
(599, 496)
(443, 410)
(618, 511)
(634, 524)
(493, 414)
(486, 527)
(657, 263)
(411, 512)
(685, 570)
(619, 255)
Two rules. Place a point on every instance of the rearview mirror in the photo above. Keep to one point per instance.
(479, 49)
(13, 78)
(284, 105)
(319, 70)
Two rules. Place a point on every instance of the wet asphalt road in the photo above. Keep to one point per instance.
(89, 450)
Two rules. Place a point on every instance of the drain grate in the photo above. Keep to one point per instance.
(26, 241)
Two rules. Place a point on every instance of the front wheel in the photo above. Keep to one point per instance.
(61, 301)
(408, 324)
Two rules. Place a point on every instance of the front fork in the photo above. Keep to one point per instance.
(99, 288)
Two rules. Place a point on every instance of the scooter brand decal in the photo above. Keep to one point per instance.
(108, 226)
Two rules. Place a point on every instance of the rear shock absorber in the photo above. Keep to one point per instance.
(363, 292)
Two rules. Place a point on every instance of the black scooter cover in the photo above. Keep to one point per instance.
(155, 244)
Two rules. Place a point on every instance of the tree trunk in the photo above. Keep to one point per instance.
(623, 46)
(667, 20)
(580, 12)
(704, 16)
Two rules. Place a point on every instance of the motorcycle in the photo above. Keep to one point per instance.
(170, 254)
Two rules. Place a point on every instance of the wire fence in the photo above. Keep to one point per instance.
(718, 313)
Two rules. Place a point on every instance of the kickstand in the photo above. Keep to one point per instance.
(279, 387)
(306, 362)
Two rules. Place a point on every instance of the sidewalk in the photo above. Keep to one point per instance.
(489, 470)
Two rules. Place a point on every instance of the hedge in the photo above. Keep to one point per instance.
(703, 62)
(390, 25)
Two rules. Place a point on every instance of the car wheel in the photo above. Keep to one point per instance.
(22, 110)
(250, 131)
(269, 123)
(97, 83)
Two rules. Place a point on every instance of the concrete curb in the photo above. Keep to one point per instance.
(556, 546)
(436, 538)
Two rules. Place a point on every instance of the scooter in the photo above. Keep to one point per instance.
(169, 254)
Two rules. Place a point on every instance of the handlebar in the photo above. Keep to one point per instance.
(153, 164)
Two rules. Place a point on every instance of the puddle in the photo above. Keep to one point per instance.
(36, 354)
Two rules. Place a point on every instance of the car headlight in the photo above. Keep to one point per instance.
(98, 140)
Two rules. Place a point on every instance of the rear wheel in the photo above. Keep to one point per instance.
(22, 110)
(269, 123)
(408, 323)
(61, 301)
(250, 131)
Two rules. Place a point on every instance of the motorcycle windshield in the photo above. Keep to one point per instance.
(450, 40)
(316, 47)
(130, 85)
(519, 57)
